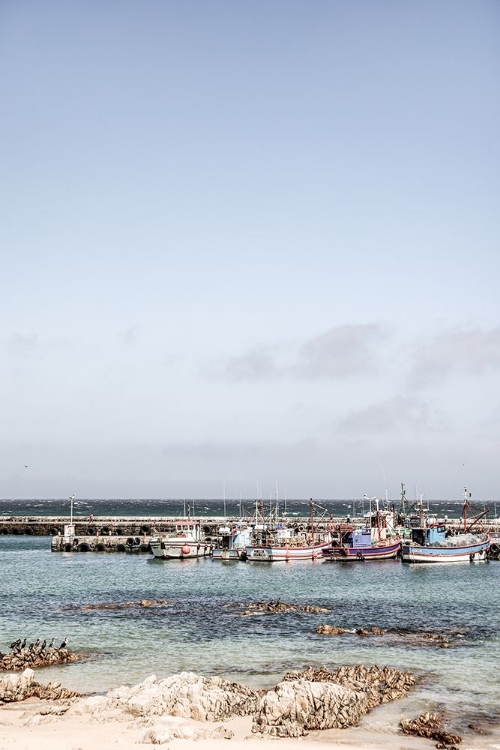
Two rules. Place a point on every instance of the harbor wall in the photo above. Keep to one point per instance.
(152, 526)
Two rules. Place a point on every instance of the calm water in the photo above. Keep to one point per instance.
(43, 593)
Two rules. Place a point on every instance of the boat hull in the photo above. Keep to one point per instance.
(284, 553)
(178, 551)
(226, 554)
(350, 554)
(412, 553)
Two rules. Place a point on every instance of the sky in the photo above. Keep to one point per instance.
(244, 243)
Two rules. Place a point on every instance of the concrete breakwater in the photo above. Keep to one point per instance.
(152, 526)
(102, 527)
(101, 544)
(131, 526)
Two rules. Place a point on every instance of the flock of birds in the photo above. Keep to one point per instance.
(37, 646)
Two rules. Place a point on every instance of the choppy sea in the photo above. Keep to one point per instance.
(198, 628)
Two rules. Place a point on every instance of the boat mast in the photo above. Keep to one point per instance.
(403, 499)
(378, 522)
(475, 516)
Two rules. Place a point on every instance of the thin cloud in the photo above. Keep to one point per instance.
(258, 364)
(30, 346)
(128, 337)
(466, 352)
(22, 345)
(399, 415)
(341, 352)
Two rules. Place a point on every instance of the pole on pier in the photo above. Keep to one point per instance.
(71, 497)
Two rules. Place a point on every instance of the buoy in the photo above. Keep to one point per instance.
(185, 550)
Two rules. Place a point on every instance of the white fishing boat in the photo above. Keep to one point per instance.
(279, 543)
(183, 541)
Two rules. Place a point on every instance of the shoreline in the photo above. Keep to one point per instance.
(31, 725)
(83, 723)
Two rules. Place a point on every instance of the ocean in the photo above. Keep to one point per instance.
(200, 626)
(125, 508)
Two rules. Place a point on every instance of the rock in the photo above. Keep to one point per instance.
(431, 639)
(476, 728)
(266, 608)
(330, 630)
(16, 687)
(15, 662)
(186, 695)
(381, 685)
(126, 605)
(293, 707)
(430, 726)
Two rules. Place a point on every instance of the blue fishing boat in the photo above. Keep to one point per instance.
(233, 543)
(431, 542)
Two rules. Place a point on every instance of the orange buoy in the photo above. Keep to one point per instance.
(185, 550)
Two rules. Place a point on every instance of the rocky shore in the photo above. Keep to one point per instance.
(310, 700)
(187, 706)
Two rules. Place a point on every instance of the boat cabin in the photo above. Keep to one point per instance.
(428, 535)
(180, 529)
(237, 538)
(360, 538)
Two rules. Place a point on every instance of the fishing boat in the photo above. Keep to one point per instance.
(431, 542)
(183, 541)
(233, 543)
(281, 543)
(376, 540)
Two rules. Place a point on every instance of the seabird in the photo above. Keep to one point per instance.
(63, 644)
(51, 643)
(15, 644)
(23, 644)
(42, 647)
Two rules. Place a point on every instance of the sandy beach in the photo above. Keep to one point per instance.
(34, 725)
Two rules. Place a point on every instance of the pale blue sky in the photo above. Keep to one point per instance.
(249, 241)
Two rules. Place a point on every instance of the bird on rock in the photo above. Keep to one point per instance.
(64, 643)
(15, 644)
